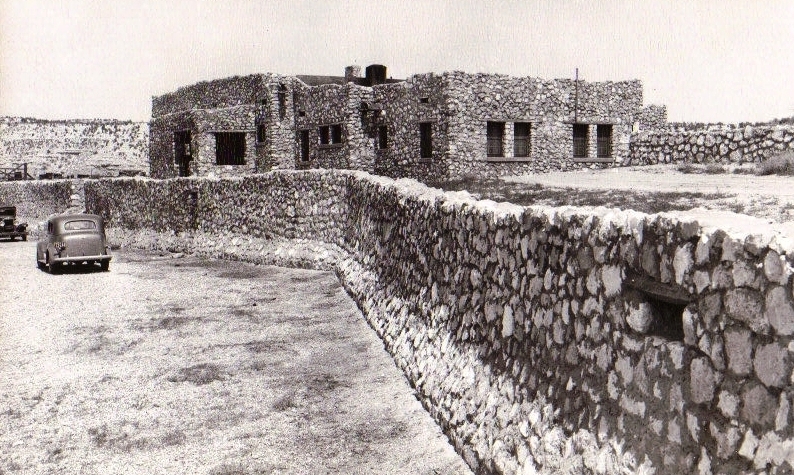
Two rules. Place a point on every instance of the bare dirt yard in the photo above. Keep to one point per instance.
(181, 365)
(663, 187)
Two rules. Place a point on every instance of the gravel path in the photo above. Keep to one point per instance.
(182, 365)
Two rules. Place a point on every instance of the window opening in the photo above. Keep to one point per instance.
(580, 132)
(336, 133)
(304, 140)
(383, 137)
(282, 100)
(230, 148)
(604, 137)
(261, 132)
(495, 132)
(521, 134)
(425, 140)
(325, 135)
(424, 100)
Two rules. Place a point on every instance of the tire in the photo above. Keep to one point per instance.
(52, 267)
(24, 237)
(41, 265)
(104, 265)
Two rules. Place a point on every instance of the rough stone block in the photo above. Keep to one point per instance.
(759, 406)
(779, 311)
(746, 305)
(702, 381)
(728, 404)
(639, 312)
(775, 268)
(772, 364)
(612, 279)
(682, 262)
(744, 275)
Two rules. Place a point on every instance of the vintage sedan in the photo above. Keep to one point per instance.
(10, 228)
(73, 239)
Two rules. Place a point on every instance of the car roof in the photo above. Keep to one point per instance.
(72, 217)
(6, 209)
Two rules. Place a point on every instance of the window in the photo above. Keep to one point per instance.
(336, 133)
(604, 140)
(282, 100)
(260, 132)
(495, 132)
(424, 100)
(425, 140)
(331, 134)
(383, 137)
(580, 132)
(304, 140)
(80, 225)
(230, 148)
(521, 133)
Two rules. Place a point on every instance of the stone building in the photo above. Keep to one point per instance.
(429, 126)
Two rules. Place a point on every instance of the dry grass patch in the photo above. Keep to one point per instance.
(199, 374)
(782, 164)
(536, 194)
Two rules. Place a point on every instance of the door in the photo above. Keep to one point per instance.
(182, 152)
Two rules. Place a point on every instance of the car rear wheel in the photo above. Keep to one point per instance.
(104, 265)
(52, 267)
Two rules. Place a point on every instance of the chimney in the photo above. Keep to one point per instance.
(352, 73)
(376, 74)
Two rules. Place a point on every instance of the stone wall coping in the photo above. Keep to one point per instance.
(700, 221)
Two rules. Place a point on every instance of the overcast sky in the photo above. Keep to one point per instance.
(707, 60)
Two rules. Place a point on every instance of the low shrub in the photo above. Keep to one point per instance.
(782, 164)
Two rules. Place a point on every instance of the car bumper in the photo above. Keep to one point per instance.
(5, 234)
(61, 260)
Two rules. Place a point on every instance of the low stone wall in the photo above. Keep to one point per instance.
(35, 200)
(550, 339)
(729, 144)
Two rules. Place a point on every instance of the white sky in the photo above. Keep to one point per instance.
(707, 60)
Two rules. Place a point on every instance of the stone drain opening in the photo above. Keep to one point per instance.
(655, 308)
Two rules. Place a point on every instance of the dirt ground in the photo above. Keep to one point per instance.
(177, 365)
(766, 197)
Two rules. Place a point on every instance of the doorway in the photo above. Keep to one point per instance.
(182, 152)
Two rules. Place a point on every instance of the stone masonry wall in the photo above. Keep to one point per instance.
(336, 104)
(550, 106)
(549, 339)
(726, 145)
(35, 200)
(74, 147)
(237, 104)
(653, 118)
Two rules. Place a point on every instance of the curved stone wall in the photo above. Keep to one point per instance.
(549, 339)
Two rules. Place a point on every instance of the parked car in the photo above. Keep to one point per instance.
(11, 228)
(73, 239)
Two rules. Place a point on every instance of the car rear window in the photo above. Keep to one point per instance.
(79, 225)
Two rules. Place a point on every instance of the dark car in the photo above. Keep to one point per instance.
(73, 239)
(10, 228)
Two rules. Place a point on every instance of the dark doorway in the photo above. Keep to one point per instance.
(425, 140)
(182, 152)
(304, 138)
